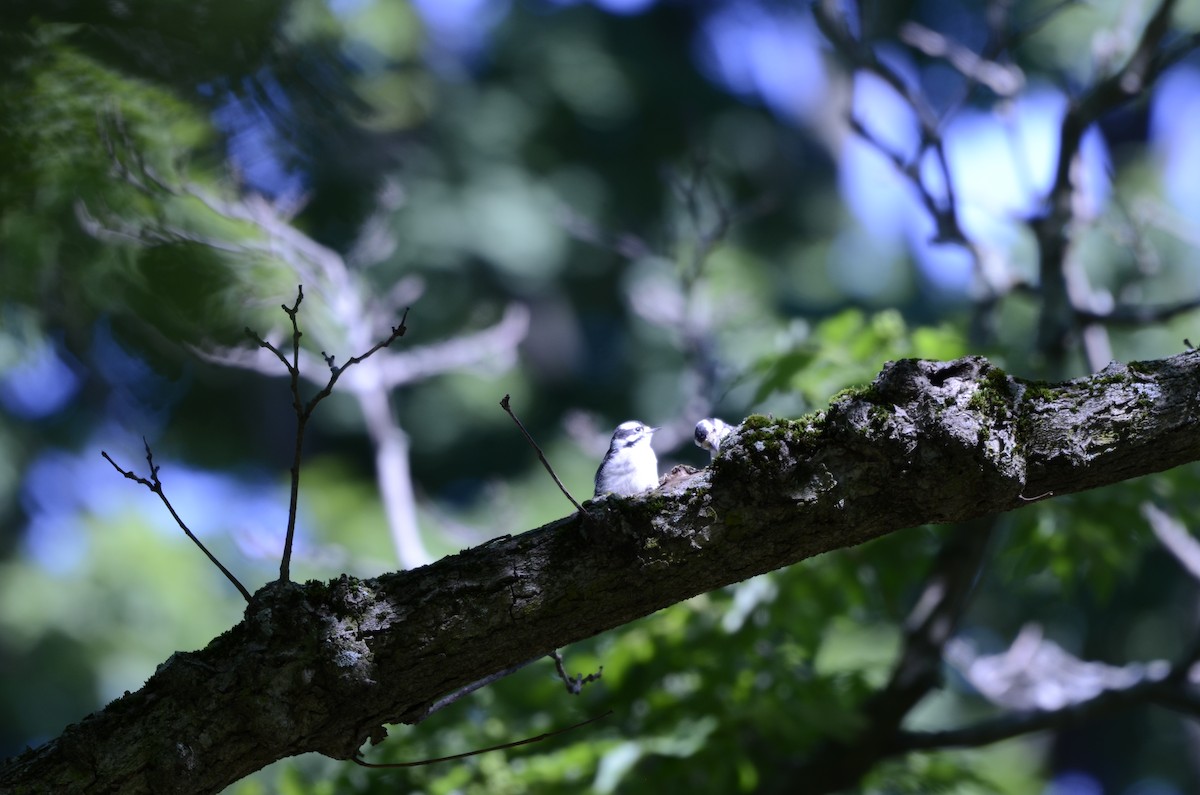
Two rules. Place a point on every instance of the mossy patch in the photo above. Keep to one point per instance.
(1143, 368)
(1041, 390)
(992, 396)
(757, 421)
(867, 392)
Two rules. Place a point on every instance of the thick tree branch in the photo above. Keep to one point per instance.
(322, 666)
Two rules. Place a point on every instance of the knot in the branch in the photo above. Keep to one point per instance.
(946, 429)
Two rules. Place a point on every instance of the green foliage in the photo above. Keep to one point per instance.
(71, 123)
(932, 774)
(847, 350)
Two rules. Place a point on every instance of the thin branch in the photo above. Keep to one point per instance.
(943, 214)
(541, 456)
(527, 741)
(574, 684)
(467, 690)
(362, 313)
(337, 370)
(293, 369)
(155, 485)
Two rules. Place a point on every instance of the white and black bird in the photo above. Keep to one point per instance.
(710, 433)
(630, 466)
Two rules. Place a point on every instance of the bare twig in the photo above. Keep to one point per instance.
(304, 410)
(293, 369)
(574, 684)
(527, 741)
(541, 456)
(155, 485)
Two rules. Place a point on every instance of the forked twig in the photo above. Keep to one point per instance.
(155, 485)
(574, 684)
(304, 410)
(541, 456)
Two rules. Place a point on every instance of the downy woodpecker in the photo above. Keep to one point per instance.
(630, 466)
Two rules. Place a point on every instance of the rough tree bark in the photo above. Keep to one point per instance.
(322, 666)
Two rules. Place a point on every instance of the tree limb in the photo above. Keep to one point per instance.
(322, 666)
